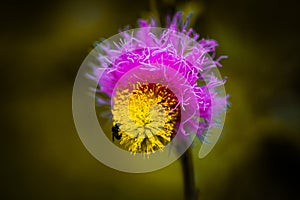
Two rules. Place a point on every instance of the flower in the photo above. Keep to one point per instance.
(161, 84)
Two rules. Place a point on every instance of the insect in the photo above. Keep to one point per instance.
(115, 132)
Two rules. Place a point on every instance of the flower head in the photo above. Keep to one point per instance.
(162, 83)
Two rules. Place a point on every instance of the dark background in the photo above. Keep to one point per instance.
(42, 46)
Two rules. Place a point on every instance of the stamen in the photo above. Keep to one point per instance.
(147, 115)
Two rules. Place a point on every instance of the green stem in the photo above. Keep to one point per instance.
(190, 191)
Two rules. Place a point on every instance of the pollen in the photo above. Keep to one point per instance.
(147, 116)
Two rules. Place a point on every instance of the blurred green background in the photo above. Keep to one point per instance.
(42, 46)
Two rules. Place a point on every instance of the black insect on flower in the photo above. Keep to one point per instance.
(115, 132)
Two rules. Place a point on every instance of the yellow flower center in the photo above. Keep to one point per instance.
(146, 116)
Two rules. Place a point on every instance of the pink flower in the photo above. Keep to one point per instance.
(162, 83)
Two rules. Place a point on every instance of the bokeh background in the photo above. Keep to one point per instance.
(42, 46)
